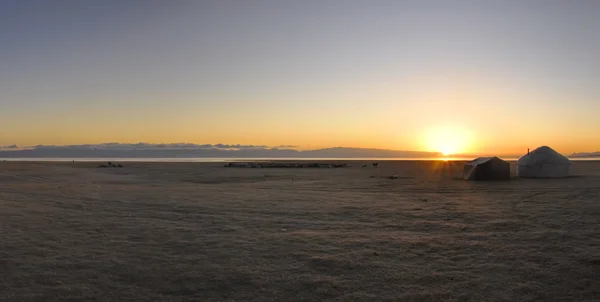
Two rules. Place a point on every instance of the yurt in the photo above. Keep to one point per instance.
(487, 168)
(543, 162)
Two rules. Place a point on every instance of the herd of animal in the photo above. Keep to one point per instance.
(111, 165)
(283, 165)
(290, 165)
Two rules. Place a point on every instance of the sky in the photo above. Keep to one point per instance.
(462, 76)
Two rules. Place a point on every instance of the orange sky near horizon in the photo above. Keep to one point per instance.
(377, 116)
(472, 142)
(385, 122)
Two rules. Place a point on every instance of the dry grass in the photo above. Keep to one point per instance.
(201, 232)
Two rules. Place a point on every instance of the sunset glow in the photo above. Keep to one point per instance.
(447, 140)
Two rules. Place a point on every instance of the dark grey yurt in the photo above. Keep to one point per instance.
(487, 168)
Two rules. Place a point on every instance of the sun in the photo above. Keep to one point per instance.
(447, 140)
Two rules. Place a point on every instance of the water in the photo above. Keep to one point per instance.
(210, 160)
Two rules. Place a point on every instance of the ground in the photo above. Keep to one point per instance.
(199, 231)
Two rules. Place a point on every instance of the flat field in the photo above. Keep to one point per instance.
(202, 232)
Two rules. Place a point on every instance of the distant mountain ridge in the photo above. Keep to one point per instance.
(182, 150)
(585, 154)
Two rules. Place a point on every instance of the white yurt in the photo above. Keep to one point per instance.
(543, 162)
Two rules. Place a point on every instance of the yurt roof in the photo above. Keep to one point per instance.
(481, 160)
(544, 154)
